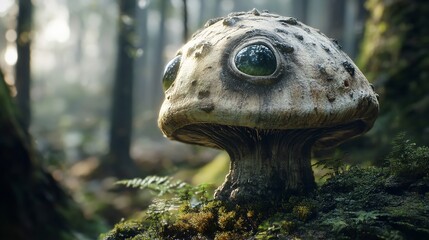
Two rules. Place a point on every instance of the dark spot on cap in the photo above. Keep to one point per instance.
(331, 97)
(279, 30)
(299, 37)
(307, 30)
(335, 41)
(346, 83)
(326, 49)
(349, 68)
(320, 32)
(194, 82)
(207, 107)
(284, 48)
(291, 21)
(203, 94)
(321, 68)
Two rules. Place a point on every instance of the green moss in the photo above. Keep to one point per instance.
(360, 203)
(197, 222)
(228, 236)
(125, 230)
(407, 160)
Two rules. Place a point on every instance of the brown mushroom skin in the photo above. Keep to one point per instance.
(269, 118)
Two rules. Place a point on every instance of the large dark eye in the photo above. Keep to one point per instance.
(256, 60)
(170, 72)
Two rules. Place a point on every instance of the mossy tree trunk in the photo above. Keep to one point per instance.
(32, 204)
(395, 56)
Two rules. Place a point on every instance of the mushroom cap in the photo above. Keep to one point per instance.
(313, 84)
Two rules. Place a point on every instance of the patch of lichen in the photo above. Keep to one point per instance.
(360, 203)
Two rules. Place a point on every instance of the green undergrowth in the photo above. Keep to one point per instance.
(390, 202)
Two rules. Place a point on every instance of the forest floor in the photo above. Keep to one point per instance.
(390, 202)
(99, 195)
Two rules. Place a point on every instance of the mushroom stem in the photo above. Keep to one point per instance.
(268, 166)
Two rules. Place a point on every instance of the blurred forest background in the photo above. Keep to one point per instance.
(86, 77)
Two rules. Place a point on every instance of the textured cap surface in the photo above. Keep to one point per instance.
(312, 85)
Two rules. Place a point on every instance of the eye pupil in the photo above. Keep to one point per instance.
(170, 72)
(256, 60)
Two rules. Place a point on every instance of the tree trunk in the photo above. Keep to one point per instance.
(395, 57)
(141, 95)
(22, 68)
(32, 206)
(159, 57)
(122, 105)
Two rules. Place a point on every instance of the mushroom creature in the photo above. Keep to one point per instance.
(267, 89)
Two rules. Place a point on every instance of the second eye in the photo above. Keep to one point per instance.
(170, 72)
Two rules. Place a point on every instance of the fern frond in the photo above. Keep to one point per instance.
(157, 184)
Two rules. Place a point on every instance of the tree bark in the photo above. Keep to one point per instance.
(22, 67)
(140, 63)
(122, 105)
(32, 206)
(159, 57)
